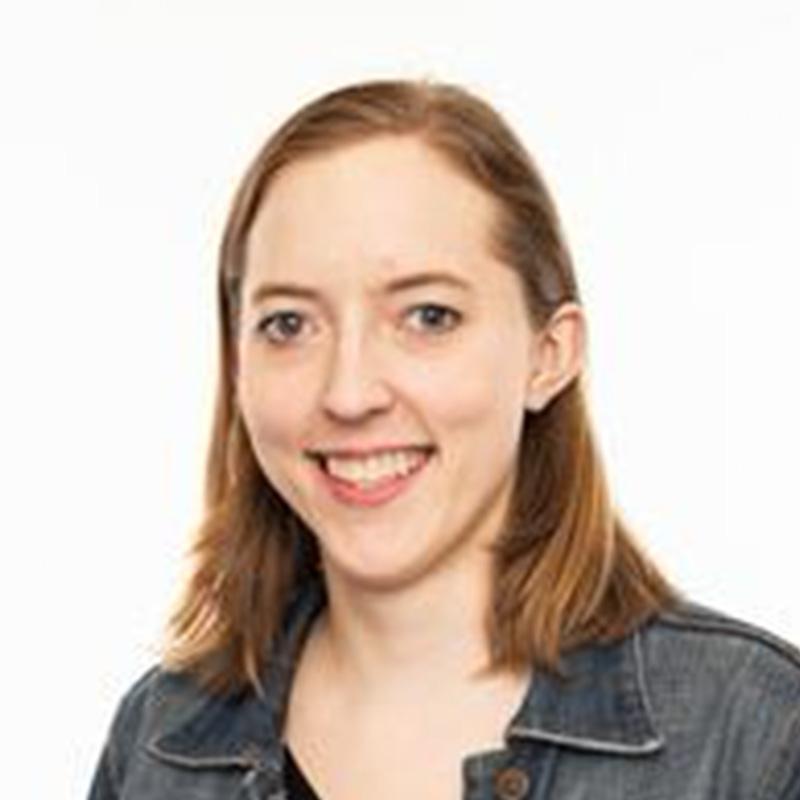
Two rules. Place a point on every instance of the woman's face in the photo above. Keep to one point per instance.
(374, 317)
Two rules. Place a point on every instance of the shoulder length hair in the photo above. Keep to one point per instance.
(566, 568)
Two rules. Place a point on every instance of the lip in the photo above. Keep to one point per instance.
(381, 493)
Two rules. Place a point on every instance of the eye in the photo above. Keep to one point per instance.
(436, 318)
(281, 327)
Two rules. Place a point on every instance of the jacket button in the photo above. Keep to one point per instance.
(511, 783)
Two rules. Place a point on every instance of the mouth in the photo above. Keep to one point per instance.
(374, 479)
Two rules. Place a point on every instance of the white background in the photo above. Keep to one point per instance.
(670, 135)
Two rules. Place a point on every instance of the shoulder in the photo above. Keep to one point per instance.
(155, 687)
(697, 635)
(694, 617)
(728, 687)
(158, 695)
(155, 698)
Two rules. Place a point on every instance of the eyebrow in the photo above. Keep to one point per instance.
(401, 284)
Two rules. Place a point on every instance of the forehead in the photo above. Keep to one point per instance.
(375, 205)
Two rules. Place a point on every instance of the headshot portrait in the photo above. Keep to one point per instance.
(410, 553)
(400, 400)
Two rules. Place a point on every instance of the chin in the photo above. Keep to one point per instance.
(374, 574)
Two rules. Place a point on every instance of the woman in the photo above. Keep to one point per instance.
(410, 580)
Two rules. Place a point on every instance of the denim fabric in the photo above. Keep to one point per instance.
(692, 706)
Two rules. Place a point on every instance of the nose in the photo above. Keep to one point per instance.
(355, 383)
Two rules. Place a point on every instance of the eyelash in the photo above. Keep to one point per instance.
(455, 317)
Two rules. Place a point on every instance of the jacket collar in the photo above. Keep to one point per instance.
(244, 729)
(601, 704)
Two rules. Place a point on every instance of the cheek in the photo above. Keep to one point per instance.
(274, 429)
(271, 422)
(477, 390)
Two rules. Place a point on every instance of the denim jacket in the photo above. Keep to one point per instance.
(693, 705)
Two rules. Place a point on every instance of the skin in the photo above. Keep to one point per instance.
(408, 581)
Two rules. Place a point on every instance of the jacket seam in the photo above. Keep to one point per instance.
(733, 629)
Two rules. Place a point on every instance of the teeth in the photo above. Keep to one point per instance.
(374, 468)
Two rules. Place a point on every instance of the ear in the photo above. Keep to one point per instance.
(558, 355)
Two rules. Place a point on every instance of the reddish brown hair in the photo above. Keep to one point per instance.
(567, 570)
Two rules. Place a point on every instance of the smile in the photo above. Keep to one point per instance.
(371, 480)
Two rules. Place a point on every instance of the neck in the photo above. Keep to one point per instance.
(426, 636)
